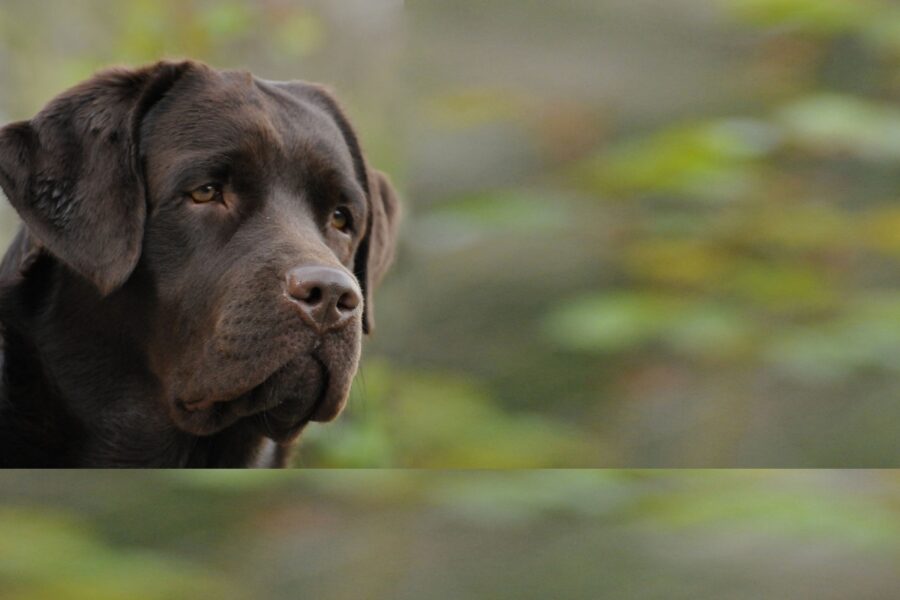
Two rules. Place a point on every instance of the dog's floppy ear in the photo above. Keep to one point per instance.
(376, 250)
(74, 176)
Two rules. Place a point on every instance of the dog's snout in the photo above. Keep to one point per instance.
(327, 297)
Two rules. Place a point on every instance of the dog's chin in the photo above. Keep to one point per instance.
(279, 407)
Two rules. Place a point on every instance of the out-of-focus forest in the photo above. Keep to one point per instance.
(565, 534)
(655, 232)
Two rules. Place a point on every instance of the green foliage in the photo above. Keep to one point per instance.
(408, 534)
(826, 124)
(866, 339)
(48, 555)
(789, 510)
(630, 322)
(823, 17)
(415, 419)
(505, 211)
(703, 162)
(610, 257)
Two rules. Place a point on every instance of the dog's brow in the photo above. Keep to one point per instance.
(354, 195)
(194, 167)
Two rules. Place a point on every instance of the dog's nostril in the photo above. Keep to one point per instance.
(349, 300)
(313, 296)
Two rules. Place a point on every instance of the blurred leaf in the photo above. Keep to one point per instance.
(507, 210)
(613, 322)
(867, 337)
(676, 261)
(709, 161)
(883, 30)
(831, 123)
(144, 31)
(47, 555)
(442, 420)
(713, 332)
(300, 34)
(779, 286)
(226, 19)
(880, 230)
(623, 321)
(227, 480)
(486, 216)
(787, 513)
(512, 498)
(470, 107)
(809, 16)
(784, 228)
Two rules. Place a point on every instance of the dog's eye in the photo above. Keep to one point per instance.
(206, 193)
(340, 219)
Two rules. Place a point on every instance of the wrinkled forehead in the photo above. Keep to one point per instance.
(229, 113)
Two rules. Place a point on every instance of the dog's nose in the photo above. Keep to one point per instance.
(327, 297)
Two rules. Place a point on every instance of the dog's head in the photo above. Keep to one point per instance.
(236, 218)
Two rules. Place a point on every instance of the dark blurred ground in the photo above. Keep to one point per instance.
(656, 232)
(410, 535)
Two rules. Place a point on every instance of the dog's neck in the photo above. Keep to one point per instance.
(56, 419)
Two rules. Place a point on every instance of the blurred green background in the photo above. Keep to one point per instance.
(402, 535)
(654, 232)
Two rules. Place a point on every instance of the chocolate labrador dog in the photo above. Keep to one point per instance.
(194, 271)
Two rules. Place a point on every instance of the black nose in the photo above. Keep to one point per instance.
(327, 297)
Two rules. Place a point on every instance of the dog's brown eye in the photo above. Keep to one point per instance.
(205, 193)
(340, 219)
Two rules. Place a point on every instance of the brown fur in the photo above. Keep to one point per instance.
(141, 328)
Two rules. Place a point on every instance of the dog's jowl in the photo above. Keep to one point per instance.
(194, 270)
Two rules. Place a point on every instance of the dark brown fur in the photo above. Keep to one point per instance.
(142, 329)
